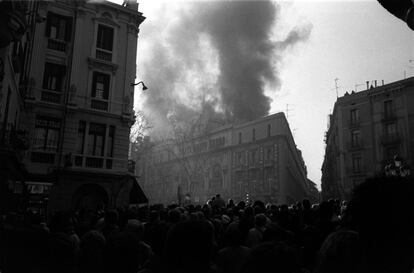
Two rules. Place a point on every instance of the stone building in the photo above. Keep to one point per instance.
(17, 21)
(78, 101)
(246, 161)
(366, 130)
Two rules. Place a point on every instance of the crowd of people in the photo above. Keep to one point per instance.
(374, 232)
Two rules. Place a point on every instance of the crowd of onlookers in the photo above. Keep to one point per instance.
(373, 232)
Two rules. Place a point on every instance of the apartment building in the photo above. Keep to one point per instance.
(17, 21)
(256, 160)
(78, 104)
(366, 130)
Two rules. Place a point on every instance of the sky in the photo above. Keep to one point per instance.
(242, 59)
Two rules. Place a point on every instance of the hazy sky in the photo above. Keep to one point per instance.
(312, 43)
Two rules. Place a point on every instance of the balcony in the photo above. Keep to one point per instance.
(390, 139)
(12, 139)
(354, 146)
(57, 45)
(389, 116)
(354, 124)
(44, 95)
(131, 166)
(42, 157)
(51, 96)
(254, 165)
(103, 55)
(98, 104)
(357, 172)
(99, 162)
(269, 162)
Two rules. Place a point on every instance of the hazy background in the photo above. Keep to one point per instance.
(244, 59)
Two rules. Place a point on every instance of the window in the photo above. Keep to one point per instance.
(268, 153)
(240, 138)
(354, 116)
(100, 87)
(356, 163)
(268, 130)
(104, 43)
(81, 137)
(355, 138)
(253, 157)
(388, 109)
(46, 134)
(240, 158)
(58, 27)
(391, 130)
(96, 139)
(53, 77)
(253, 134)
(105, 37)
(100, 91)
(110, 142)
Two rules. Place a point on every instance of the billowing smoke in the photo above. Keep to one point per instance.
(215, 55)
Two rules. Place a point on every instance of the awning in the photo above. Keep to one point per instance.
(137, 195)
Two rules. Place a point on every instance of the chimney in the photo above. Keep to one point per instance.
(131, 4)
(375, 83)
(382, 82)
(367, 85)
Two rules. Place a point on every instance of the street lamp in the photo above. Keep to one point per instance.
(143, 85)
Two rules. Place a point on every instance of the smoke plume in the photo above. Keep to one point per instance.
(215, 55)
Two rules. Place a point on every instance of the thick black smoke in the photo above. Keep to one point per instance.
(219, 54)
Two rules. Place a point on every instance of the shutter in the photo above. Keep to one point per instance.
(110, 38)
(60, 75)
(68, 33)
(46, 76)
(94, 78)
(48, 24)
(106, 86)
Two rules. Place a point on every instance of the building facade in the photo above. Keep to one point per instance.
(366, 130)
(78, 104)
(257, 160)
(17, 22)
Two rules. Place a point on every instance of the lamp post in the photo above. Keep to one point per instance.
(144, 87)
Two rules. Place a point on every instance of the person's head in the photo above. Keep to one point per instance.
(154, 216)
(189, 245)
(174, 216)
(306, 204)
(381, 211)
(135, 227)
(61, 222)
(233, 235)
(340, 253)
(111, 217)
(273, 257)
(260, 220)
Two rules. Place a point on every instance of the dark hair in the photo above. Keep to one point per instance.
(381, 210)
(273, 257)
(189, 245)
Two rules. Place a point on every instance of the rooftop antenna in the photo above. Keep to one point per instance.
(294, 132)
(409, 66)
(288, 110)
(336, 87)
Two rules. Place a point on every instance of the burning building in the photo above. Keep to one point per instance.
(255, 160)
